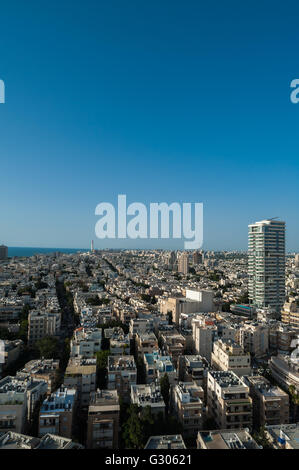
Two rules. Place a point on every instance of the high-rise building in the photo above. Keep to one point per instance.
(297, 261)
(3, 252)
(266, 264)
(183, 263)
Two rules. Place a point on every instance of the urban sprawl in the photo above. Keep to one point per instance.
(151, 349)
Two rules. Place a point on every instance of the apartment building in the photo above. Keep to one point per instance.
(228, 400)
(267, 264)
(103, 420)
(193, 302)
(81, 374)
(42, 369)
(119, 342)
(146, 343)
(193, 368)
(229, 355)
(18, 398)
(290, 314)
(283, 436)
(157, 365)
(140, 325)
(183, 263)
(254, 338)
(57, 413)
(173, 441)
(204, 335)
(187, 402)
(173, 345)
(224, 439)
(9, 352)
(86, 342)
(285, 370)
(122, 374)
(145, 395)
(270, 403)
(281, 337)
(13, 441)
(41, 324)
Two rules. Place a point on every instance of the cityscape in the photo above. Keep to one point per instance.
(151, 349)
(149, 231)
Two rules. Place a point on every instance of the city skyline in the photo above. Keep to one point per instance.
(157, 101)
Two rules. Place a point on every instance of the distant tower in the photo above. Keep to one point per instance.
(92, 248)
(3, 252)
(183, 264)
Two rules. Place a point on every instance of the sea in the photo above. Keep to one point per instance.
(30, 251)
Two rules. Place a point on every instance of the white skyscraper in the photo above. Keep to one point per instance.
(266, 264)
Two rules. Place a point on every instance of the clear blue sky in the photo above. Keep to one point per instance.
(160, 100)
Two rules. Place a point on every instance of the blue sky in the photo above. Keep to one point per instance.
(159, 100)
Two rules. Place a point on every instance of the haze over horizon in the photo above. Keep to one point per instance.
(161, 101)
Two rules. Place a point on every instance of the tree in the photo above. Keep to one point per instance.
(133, 429)
(165, 387)
(295, 399)
(261, 439)
(102, 362)
(48, 347)
(140, 371)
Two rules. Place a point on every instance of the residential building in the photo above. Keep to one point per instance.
(81, 374)
(254, 338)
(270, 403)
(157, 365)
(103, 420)
(122, 374)
(145, 395)
(42, 369)
(193, 368)
(203, 337)
(290, 314)
(174, 441)
(285, 370)
(41, 324)
(283, 436)
(183, 263)
(267, 264)
(229, 355)
(13, 441)
(57, 413)
(86, 342)
(187, 401)
(18, 398)
(228, 400)
(225, 439)
(9, 353)
(146, 343)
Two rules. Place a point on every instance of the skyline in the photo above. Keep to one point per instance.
(162, 102)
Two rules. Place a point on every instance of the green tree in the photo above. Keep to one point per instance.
(102, 374)
(165, 388)
(261, 438)
(133, 429)
(48, 347)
